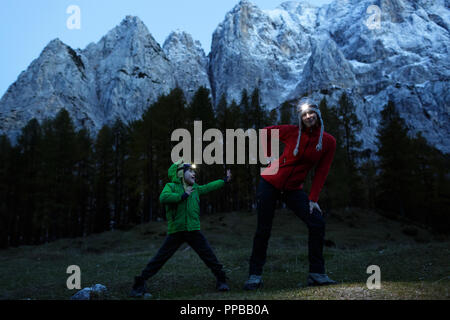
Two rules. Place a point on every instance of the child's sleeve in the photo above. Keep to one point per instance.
(214, 185)
(168, 196)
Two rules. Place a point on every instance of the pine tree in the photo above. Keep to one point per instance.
(58, 151)
(14, 193)
(351, 129)
(29, 143)
(83, 185)
(121, 153)
(273, 117)
(336, 190)
(257, 111)
(104, 175)
(286, 113)
(65, 158)
(234, 121)
(140, 154)
(200, 109)
(6, 181)
(430, 190)
(223, 119)
(223, 114)
(368, 172)
(245, 110)
(394, 180)
(247, 122)
(258, 121)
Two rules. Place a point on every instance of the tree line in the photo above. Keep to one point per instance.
(61, 182)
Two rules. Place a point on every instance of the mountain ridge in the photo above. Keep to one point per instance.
(293, 50)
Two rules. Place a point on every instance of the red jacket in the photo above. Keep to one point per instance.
(292, 169)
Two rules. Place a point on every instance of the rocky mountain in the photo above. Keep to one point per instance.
(297, 50)
(117, 77)
(189, 62)
(266, 49)
(397, 49)
(58, 78)
(128, 69)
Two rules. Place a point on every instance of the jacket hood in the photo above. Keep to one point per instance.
(172, 173)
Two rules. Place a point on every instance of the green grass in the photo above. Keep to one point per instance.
(412, 267)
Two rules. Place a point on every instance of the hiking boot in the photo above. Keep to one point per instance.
(222, 286)
(254, 282)
(139, 289)
(319, 279)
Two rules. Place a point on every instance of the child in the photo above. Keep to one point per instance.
(181, 197)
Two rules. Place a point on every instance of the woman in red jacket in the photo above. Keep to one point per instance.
(306, 146)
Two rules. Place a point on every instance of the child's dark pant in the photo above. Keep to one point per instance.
(196, 241)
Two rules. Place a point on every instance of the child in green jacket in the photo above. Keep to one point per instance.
(181, 197)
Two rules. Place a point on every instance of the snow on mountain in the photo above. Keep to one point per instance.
(129, 70)
(293, 50)
(298, 49)
(57, 79)
(189, 62)
(266, 49)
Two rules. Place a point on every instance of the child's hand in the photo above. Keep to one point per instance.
(228, 175)
(188, 190)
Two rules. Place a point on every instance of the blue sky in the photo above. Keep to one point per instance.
(27, 26)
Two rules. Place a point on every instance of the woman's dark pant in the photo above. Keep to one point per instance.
(196, 241)
(296, 200)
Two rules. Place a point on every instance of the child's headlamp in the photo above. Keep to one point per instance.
(186, 167)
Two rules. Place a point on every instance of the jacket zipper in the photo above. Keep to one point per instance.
(293, 167)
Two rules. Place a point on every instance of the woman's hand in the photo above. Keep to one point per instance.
(314, 205)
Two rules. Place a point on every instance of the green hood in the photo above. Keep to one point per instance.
(173, 170)
(183, 213)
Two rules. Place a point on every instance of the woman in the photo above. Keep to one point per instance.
(306, 146)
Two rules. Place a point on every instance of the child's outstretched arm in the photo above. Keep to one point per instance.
(214, 185)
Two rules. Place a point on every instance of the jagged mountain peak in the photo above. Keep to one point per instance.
(131, 24)
(181, 37)
(296, 5)
(55, 43)
(132, 20)
(295, 49)
(188, 60)
(243, 13)
(244, 3)
(131, 32)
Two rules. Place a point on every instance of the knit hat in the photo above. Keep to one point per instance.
(302, 108)
(186, 166)
(181, 170)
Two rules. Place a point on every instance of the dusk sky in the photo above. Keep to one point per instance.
(28, 26)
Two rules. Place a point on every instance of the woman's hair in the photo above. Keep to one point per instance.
(303, 107)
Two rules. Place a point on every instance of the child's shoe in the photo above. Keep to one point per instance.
(319, 279)
(222, 286)
(139, 289)
(254, 282)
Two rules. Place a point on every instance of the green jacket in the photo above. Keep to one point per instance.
(184, 215)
